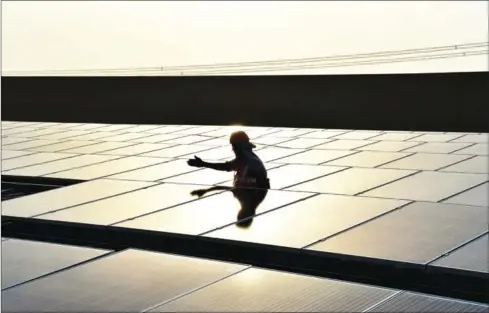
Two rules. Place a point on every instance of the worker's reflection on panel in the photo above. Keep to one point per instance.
(248, 198)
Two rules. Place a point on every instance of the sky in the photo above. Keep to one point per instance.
(69, 35)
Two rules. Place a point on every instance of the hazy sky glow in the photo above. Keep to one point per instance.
(52, 35)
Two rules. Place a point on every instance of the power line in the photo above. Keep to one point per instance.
(348, 64)
(290, 64)
(363, 63)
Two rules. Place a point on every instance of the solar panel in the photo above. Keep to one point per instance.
(341, 191)
(136, 149)
(416, 233)
(126, 206)
(435, 137)
(32, 159)
(156, 172)
(213, 154)
(358, 135)
(342, 144)
(477, 196)
(426, 161)
(438, 147)
(190, 139)
(64, 135)
(156, 138)
(112, 167)
(176, 151)
(313, 156)
(65, 197)
(428, 186)
(100, 147)
(368, 159)
(214, 142)
(473, 138)
(256, 290)
(215, 211)
(308, 221)
(302, 143)
(123, 127)
(96, 135)
(478, 164)
(412, 302)
(60, 165)
(9, 154)
(28, 143)
(293, 174)
(395, 136)
(324, 134)
(477, 149)
(473, 256)
(27, 132)
(88, 126)
(198, 130)
(201, 177)
(11, 140)
(291, 133)
(65, 145)
(347, 182)
(24, 260)
(128, 281)
(389, 146)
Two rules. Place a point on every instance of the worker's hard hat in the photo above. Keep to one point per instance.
(240, 137)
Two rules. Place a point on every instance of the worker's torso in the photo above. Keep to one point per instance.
(250, 172)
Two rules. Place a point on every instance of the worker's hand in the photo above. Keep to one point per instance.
(195, 162)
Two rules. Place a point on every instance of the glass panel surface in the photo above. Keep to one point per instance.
(428, 186)
(352, 181)
(103, 285)
(416, 233)
(69, 196)
(308, 221)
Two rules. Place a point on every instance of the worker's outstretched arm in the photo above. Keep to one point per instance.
(197, 162)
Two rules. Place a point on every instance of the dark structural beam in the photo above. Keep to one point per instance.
(424, 102)
(450, 283)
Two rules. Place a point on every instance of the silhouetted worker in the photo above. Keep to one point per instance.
(250, 182)
(250, 171)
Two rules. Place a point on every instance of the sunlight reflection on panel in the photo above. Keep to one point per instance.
(292, 174)
(126, 206)
(368, 159)
(389, 146)
(215, 211)
(314, 156)
(343, 144)
(107, 168)
(258, 290)
(477, 196)
(60, 198)
(157, 172)
(32, 159)
(175, 151)
(203, 177)
(426, 161)
(60, 165)
(407, 234)
(24, 260)
(428, 186)
(102, 286)
(314, 219)
(349, 182)
(72, 144)
(100, 147)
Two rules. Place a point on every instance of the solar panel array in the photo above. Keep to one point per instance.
(415, 197)
(63, 278)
